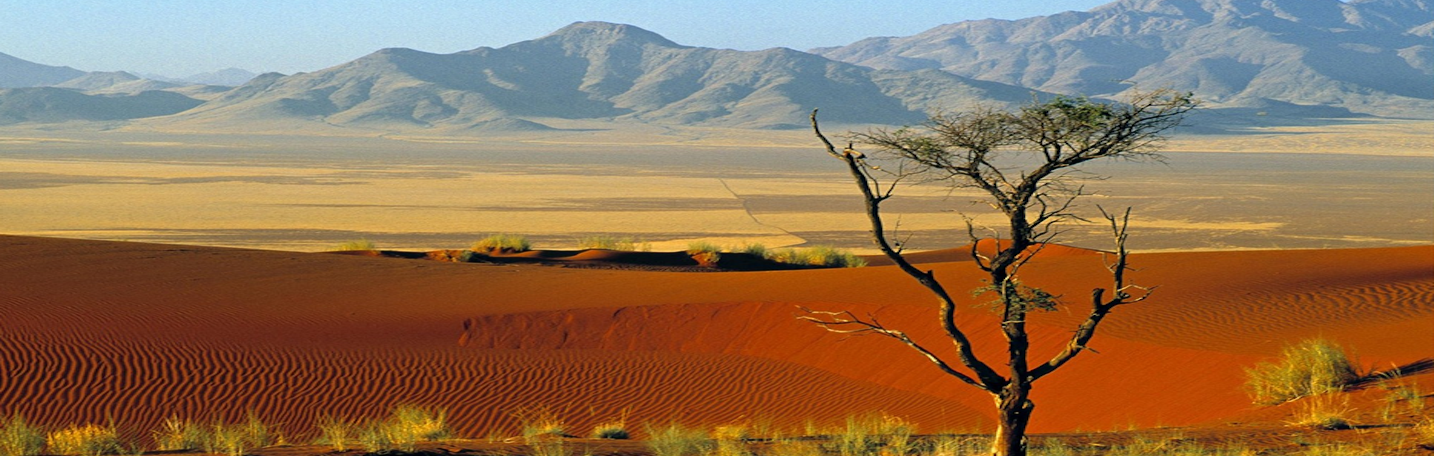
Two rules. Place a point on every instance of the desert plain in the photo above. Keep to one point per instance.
(145, 275)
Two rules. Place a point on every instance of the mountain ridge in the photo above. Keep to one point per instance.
(594, 70)
(1258, 62)
(1366, 55)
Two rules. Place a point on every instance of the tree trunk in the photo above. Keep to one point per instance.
(1013, 408)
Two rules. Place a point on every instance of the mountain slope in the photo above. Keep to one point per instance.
(1370, 56)
(52, 104)
(113, 82)
(15, 72)
(600, 71)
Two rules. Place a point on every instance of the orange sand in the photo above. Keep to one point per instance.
(95, 330)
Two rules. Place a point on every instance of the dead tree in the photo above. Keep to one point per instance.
(983, 150)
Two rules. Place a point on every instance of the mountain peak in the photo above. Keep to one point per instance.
(597, 31)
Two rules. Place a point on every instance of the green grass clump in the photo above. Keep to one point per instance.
(361, 245)
(18, 438)
(87, 440)
(677, 440)
(1309, 368)
(510, 243)
(629, 244)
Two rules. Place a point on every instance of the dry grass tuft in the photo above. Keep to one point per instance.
(337, 433)
(677, 440)
(612, 430)
(18, 438)
(1312, 367)
(506, 243)
(1326, 411)
(87, 440)
(404, 428)
(541, 422)
(179, 434)
(630, 244)
(361, 245)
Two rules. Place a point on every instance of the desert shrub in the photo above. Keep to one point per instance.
(873, 434)
(335, 432)
(1325, 411)
(405, 427)
(548, 447)
(374, 436)
(257, 433)
(87, 440)
(614, 430)
(948, 445)
(677, 440)
(411, 424)
(832, 257)
(731, 440)
(18, 438)
(1312, 367)
(757, 250)
(179, 434)
(630, 244)
(1407, 397)
(1337, 450)
(1423, 431)
(706, 253)
(227, 439)
(793, 447)
(357, 245)
(503, 243)
(541, 422)
(818, 256)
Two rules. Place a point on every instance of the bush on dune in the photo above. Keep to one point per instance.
(508, 243)
(630, 244)
(360, 245)
(1309, 368)
(18, 438)
(87, 440)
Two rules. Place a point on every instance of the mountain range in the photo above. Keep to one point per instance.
(1286, 59)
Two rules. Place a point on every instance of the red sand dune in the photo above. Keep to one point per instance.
(91, 330)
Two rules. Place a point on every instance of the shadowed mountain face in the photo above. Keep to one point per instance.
(51, 104)
(15, 72)
(1370, 56)
(599, 71)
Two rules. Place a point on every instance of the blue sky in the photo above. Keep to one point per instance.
(182, 37)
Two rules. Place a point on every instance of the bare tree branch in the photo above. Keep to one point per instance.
(845, 322)
(989, 379)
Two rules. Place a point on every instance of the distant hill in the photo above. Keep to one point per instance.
(53, 104)
(15, 72)
(1368, 56)
(226, 77)
(600, 71)
(113, 82)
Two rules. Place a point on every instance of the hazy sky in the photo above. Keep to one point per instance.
(182, 37)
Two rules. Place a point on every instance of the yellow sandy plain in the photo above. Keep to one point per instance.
(667, 187)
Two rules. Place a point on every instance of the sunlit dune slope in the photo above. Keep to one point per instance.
(90, 330)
